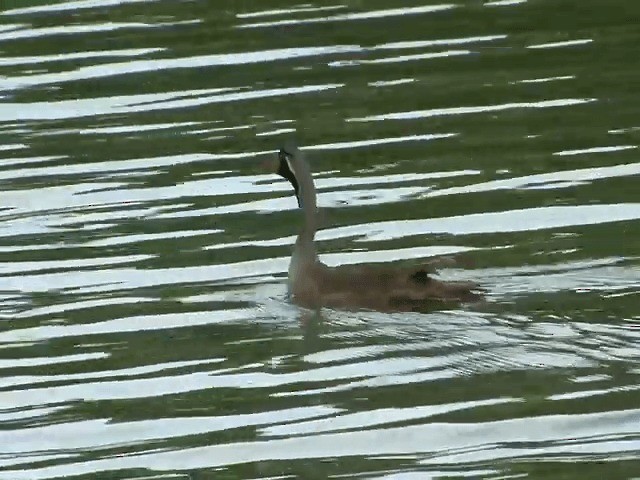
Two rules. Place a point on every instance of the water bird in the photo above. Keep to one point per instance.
(379, 287)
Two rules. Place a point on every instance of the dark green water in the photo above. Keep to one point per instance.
(145, 330)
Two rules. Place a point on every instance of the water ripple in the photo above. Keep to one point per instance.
(520, 220)
(153, 65)
(67, 109)
(439, 443)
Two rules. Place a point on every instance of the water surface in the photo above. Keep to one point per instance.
(145, 330)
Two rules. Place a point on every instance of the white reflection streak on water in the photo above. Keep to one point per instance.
(53, 360)
(336, 198)
(545, 79)
(424, 474)
(611, 450)
(128, 278)
(354, 16)
(147, 163)
(491, 360)
(279, 131)
(593, 393)
(437, 42)
(77, 55)
(390, 83)
(21, 267)
(506, 221)
(142, 237)
(31, 458)
(137, 66)
(371, 418)
(378, 141)
(101, 433)
(613, 148)
(194, 188)
(82, 195)
(35, 225)
(435, 112)
(67, 307)
(70, 30)
(65, 109)
(417, 44)
(402, 58)
(26, 160)
(12, 146)
(9, 28)
(126, 324)
(71, 5)
(568, 43)
(605, 280)
(590, 434)
(248, 185)
(148, 387)
(301, 9)
(223, 129)
(562, 178)
(503, 3)
(382, 256)
(325, 179)
(86, 107)
(32, 413)
(125, 128)
(104, 374)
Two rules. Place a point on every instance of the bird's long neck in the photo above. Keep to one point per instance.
(307, 200)
(304, 251)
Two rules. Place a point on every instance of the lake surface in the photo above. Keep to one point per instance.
(145, 329)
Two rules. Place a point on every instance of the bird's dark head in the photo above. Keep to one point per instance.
(286, 169)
